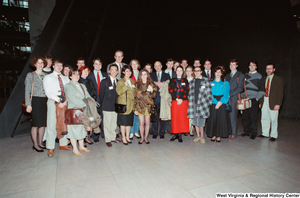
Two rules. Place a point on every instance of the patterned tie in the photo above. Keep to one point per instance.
(61, 85)
(98, 82)
(231, 74)
(208, 75)
(158, 77)
(267, 88)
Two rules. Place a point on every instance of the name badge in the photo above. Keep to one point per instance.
(111, 87)
(183, 83)
(212, 84)
(202, 87)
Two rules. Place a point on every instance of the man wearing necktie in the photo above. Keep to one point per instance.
(270, 103)
(169, 70)
(159, 78)
(207, 69)
(119, 55)
(236, 81)
(97, 76)
(54, 88)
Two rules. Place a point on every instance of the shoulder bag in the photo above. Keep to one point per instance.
(120, 108)
(243, 103)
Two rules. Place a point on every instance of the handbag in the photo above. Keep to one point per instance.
(73, 116)
(153, 113)
(120, 108)
(243, 103)
(228, 107)
(23, 103)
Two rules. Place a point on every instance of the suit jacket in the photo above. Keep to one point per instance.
(235, 87)
(126, 94)
(108, 95)
(204, 74)
(163, 78)
(173, 74)
(94, 80)
(276, 92)
(120, 69)
(75, 95)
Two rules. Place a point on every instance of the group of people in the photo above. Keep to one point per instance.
(180, 100)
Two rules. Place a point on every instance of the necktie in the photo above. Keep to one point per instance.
(98, 82)
(158, 77)
(114, 84)
(61, 85)
(231, 74)
(208, 75)
(267, 88)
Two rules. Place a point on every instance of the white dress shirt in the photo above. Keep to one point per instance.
(51, 85)
(100, 74)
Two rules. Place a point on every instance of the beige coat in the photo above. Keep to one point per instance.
(165, 102)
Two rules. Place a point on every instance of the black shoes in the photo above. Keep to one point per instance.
(174, 138)
(244, 134)
(180, 139)
(37, 149)
(272, 139)
(162, 137)
(154, 136)
(252, 137)
(261, 136)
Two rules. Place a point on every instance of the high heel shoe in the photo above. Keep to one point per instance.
(37, 149)
(76, 153)
(86, 150)
(147, 142)
(218, 140)
(129, 142)
(125, 143)
(42, 147)
(90, 143)
(213, 139)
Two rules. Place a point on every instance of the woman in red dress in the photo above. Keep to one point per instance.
(179, 90)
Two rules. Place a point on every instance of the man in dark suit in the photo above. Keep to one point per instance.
(236, 81)
(97, 76)
(207, 69)
(169, 70)
(108, 98)
(158, 77)
(270, 103)
(119, 55)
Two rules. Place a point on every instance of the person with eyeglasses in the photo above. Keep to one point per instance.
(200, 100)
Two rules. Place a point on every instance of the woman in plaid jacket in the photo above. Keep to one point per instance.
(200, 99)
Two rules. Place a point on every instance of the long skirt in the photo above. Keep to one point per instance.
(179, 120)
(39, 111)
(218, 124)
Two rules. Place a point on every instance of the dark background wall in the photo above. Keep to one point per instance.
(156, 30)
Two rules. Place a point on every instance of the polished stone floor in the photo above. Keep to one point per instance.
(160, 169)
